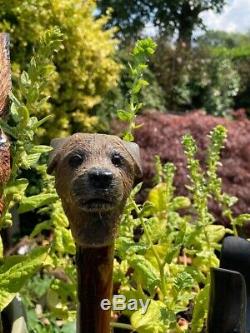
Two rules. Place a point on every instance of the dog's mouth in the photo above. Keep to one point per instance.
(97, 205)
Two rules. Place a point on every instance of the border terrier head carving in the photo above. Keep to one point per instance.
(94, 175)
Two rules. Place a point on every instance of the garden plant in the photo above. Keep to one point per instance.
(165, 246)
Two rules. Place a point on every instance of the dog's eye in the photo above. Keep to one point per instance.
(76, 160)
(117, 159)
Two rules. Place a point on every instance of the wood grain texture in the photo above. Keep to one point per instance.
(94, 271)
(5, 76)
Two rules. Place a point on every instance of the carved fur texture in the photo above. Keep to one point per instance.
(94, 176)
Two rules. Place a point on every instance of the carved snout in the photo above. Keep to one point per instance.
(100, 178)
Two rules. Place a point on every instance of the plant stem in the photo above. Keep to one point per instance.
(123, 326)
(161, 267)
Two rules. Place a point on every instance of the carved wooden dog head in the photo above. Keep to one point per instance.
(94, 176)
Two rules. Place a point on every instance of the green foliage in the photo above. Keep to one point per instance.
(152, 94)
(167, 263)
(40, 319)
(15, 271)
(168, 16)
(142, 50)
(22, 126)
(223, 39)
(172, 258)
(82, 71)
(236, 47)
(195, 78)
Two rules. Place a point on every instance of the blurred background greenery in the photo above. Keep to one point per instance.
(209, 70)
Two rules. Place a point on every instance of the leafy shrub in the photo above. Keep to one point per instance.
(236, 47)
(152, 94)
(17, 270)
(195, 78)
(168, 262)
(84, 68)
(161, 135)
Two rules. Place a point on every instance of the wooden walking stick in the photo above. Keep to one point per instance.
(94, 175)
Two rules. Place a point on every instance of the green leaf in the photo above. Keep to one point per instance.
(157, 196)
(200, 310)
(170, 255)
(157, 319)
(180, 203)
(59, 218)
(124, 115)
(15, 100)
(145, 272)
(46, 225)
(215, 233)
(138, 86)
(25, 80)
(146, 209)
(126, 246)
(144, 47)
(39, 149)
(16, 271)
(183, 281)
(128, 137)
(31, 160)
(242, 219)
(19, 187)
(64, 242)
(36, 201)
(39, 123)
(8, 129)
(69, 328)
(14, 112)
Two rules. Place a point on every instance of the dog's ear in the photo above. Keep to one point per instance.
(134, 151)
(54, 155)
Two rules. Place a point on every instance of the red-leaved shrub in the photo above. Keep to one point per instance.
(161, 134)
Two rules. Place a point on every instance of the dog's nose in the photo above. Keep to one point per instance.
(100, 178)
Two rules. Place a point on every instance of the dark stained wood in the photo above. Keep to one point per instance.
(94, 273)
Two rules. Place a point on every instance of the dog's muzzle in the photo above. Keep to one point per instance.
(97, 190)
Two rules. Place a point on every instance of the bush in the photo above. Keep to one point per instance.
(84, 69)
(161, 135)
(169, 261)
(165, 246)
(152, 94)
(195, 78)
(236, 47)
(27, 156)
